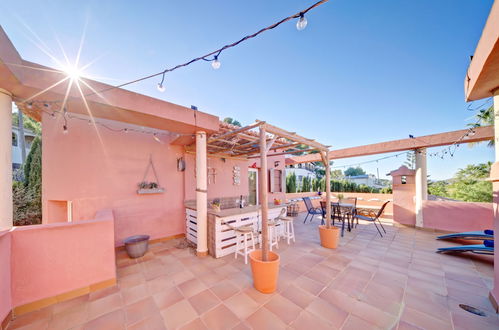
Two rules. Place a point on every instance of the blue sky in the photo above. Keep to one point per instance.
(361, 72)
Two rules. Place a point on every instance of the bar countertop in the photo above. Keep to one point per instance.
(233, 211)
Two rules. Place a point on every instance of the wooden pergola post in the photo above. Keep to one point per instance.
(325, 159)
(263, 183)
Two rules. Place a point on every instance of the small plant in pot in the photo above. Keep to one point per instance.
(216, 205)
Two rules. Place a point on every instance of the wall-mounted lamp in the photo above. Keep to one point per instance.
(180, 164)
(276, 163)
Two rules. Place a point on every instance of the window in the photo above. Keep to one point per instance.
(14, 139)
(277, 180)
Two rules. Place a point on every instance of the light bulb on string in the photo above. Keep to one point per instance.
(125, 130)
(65, 129)
(160, 86)
(215, 64)
(302, 22)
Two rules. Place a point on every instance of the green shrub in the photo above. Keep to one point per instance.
(291, 183)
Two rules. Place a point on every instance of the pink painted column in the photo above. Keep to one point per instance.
(201, 194)
(5, 159)
(494, 175)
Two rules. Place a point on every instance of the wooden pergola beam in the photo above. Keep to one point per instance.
(237, 131)
(294, 137)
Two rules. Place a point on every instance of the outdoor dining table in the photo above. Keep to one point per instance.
(350, 210)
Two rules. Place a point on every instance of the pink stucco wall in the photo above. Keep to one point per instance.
(47, 260)
(457, 216)
(5, 275)
(97, 168)
(220, 186)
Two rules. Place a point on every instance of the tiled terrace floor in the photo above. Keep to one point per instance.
(394, 282)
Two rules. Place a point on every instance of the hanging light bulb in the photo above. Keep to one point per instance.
(161, 88)
(302, 22)
(30, 105)
(215, 64)
(65, 129)
(125, 130)
(156, 138)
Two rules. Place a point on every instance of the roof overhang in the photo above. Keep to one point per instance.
(482, 77)
(25, 79)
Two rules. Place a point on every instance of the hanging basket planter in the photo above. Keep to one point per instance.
(153, 187)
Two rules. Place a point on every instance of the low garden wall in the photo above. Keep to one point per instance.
(367, 199)
(457, 216)
(5, 275)
(49, 263)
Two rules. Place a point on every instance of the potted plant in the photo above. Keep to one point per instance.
(216, 205)
(277, 201)
(329, 235)
(149, 188)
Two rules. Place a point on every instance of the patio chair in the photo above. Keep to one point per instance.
(311, 210)
(373, 219)
(471, 235)
(350, 215)
(486, 248)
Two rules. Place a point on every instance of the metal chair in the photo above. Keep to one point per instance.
(335, 214)
(311, 209)
(373, 219)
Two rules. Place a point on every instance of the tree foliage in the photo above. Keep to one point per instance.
(468, 184)
(232, 121)
(27, 195)
(306, 184)
(28, 123)
(291, 183)
(354, 171)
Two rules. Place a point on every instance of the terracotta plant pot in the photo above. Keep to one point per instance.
(330, 237)
(265, 273)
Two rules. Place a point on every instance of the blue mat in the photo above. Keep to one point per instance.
(478, 235)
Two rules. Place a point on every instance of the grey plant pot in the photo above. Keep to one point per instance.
(136, 246)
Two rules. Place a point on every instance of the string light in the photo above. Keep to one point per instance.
(215, 64)
(65, 129)
(302, 22)
(160, 86)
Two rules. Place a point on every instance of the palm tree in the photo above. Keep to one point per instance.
(484, 117)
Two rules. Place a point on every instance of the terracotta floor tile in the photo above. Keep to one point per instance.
(68, 319)
(178, 314)
(191, 287)
(196, 324)
(110, 321)
(473, 322)
(264, 319)
(168, 297)
(159, 283)
(327, 312)
(131, 280)
(258, 297)
(355, 323)
(298, 296)
(104, 305)
(135, 293)
(423, 320)
(309, 285)
(407, 326)
(285, 309)
(204, 301)
(220, 318)
(339, 299)
(375, 315)
(140, 310)
(76, 303)
(308, 321)
(241, 305)
(224, 290)
(152, 322)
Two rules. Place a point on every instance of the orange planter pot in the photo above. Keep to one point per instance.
(330, 237)
(265, 273)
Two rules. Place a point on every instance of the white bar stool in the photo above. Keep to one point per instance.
(289, 228)
(273, 237)
(243, 234)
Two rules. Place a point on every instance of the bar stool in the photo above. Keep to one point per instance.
(289, 228)
(244, 233)
(273, 238)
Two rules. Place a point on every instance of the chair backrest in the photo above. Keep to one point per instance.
(382, 209)
(323, 206)
(308, 203)
(350, 200)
